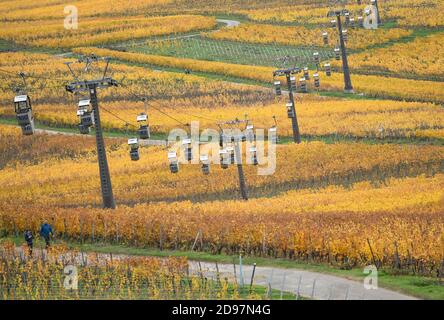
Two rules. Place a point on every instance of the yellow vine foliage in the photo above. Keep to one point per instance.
(309, 165)
(297, 13)
(102, 276)
(14, 149)
(133, 81)
(47, 9)
(428, 13)
(304, 36)
(241, 71)
(332, 224)
(101, 30)
(317, 117)
(376, 86)
(403, 58)
(216, 100)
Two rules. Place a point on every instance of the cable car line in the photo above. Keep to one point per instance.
(34, 76)
(116, 116)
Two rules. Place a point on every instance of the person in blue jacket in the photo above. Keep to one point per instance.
(46, 232)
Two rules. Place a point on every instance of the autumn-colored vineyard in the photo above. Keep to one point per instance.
(402, 58)
(101, 31)
(220, 100)
(42, 277)
(320, 205)
(303, 36)
(365, 186)
(309, 165)
(409, 237)
(375, 86)
(379, 119)
(405, 12)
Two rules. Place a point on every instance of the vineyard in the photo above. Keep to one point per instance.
(333, 184)
(402, 59)
(43, 278)
(338, 163)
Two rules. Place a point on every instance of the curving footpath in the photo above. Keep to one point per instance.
(303, 283)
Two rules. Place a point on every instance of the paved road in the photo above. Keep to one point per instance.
(229, 23)
(301, 282)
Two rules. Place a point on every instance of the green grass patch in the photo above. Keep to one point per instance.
(201, 48)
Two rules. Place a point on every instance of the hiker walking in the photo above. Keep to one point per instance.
(29, 238)
(46, 232)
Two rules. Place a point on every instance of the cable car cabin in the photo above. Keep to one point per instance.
(174, 163)
(352, 22)
(303, 85)
(23, 110)
(243, 137)
(316, 57)
(293, 84)
(325, 38)
(290, 112)
(249, 133)
(327, 68)
(272, 132)
(367, 12)
(84, 105)
(222, 139)
(347, 18)
(87, 119)
(22, 103)
(134, 151)
(333, 23)
(28, 129)
(337, 54)
(306, 73)
(345, 35)
(134, 154)
(360, 21)
(205, 164)
(317, 82)
(224, 159)
(144, 128)
(83, 129)
(253, 153)
(231, 155)
(188, 149)
(277, 88)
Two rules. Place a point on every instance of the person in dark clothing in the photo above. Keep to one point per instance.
(46, 232)
(29, 238)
